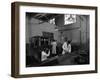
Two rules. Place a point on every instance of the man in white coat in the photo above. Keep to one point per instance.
(64, 46)
(45, 54)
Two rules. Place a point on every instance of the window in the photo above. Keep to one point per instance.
(69, 19)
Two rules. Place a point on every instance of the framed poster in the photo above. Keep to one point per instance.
(53, 39)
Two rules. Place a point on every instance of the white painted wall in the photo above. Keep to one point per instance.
(77, 32)
(35, 29)
(5, 40)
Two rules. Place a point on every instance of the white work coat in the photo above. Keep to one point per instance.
(65, 48)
